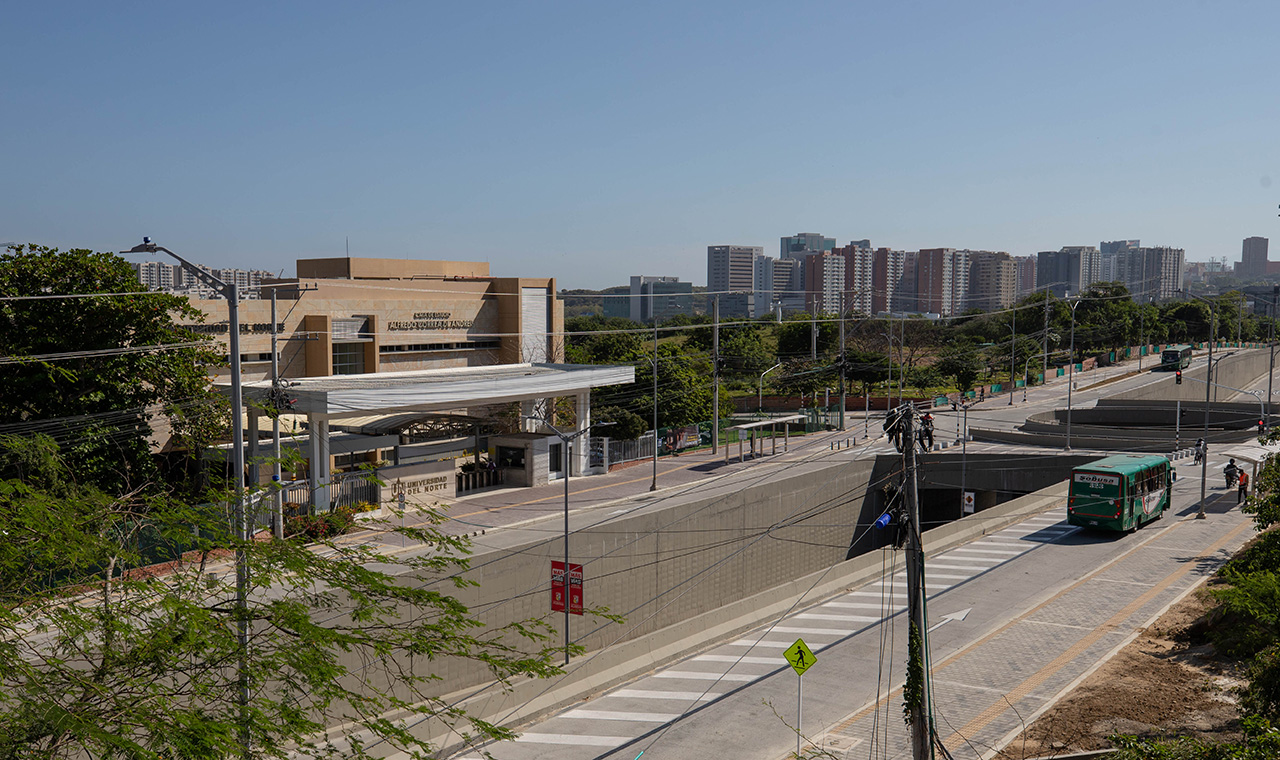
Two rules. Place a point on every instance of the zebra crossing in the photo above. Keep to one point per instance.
(625, 714)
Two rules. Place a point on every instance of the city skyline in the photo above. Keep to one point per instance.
(576, 139)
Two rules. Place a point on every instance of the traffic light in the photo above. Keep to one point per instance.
(1177, 377)
(1262, 426)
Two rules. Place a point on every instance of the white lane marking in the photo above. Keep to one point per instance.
(697, 676)
(581, 741)
(648, 694)
(638, 717)
(736, 659)
(813, 631)
(845, 618)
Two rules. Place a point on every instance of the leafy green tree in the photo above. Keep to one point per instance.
(801, 377)
(961, 361)
(866, 367)
(96, 371)
(795, 336)
(119, 630)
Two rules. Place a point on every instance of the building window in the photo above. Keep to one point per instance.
(348, 358)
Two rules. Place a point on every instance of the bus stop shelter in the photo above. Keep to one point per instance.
(336, 397)
(772, 424)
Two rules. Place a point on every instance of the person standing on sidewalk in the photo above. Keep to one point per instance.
(1242, 492)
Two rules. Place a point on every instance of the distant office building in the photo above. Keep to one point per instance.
(824, 283)
(1253, 258)
(1025, 266)
(804, 243)
(664, 296)
(993, 280)
(859, 278)
(731, 272)
(1069, 270)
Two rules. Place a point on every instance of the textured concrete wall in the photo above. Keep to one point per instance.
(1239, 370)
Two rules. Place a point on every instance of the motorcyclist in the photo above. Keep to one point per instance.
(1232, 472)
(926, 429)
(1200, 450)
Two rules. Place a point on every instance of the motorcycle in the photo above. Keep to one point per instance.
(1232, 476)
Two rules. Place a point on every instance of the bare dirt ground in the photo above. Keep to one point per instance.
(1164, 683)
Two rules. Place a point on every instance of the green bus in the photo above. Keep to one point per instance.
(1175, 357)
(1120, 493)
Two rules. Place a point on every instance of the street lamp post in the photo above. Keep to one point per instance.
(1071, 365)
(1013, 356)
(1204, 462)
(760, 389)
(229, 291)
(567, 439)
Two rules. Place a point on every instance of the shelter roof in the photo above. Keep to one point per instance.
(439, 389)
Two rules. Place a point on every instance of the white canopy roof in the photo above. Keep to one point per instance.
(439, 389)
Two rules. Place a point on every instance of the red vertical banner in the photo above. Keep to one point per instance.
(575, 589)
(557, 586)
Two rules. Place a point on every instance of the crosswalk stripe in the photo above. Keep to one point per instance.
(862, 606)
(649, 694)
(638, 717)
(847, 618)
(699, 676)
(1008, 552)
(813, 631)
(581, 741)
(736, 659)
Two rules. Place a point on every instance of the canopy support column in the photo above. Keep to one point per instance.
(318, 453)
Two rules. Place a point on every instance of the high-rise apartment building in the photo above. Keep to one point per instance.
(824, 283)
(1026, 274)
(942, 281)
(732, 273)
(993, 280)
(1253, 258)
(859, 278)
(1159, 272)
(1113, 262)
(893, 276)
(787, 284)
(1069, 270)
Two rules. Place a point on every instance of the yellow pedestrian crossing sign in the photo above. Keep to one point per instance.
(799, 656)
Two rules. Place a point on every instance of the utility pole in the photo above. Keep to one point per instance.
(840, 363)
(918, 659)
(1013, 356)
(278, 496)
(1046, 335)
(654, 485)
(1271, 348)
(715, 374)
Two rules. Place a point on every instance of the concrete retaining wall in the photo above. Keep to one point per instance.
(1239, 370)
(782, 549)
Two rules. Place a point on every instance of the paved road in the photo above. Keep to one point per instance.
(1018, 617)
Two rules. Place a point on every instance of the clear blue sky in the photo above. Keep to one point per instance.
(592, 141)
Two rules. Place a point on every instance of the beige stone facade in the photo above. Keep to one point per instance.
(356, 316)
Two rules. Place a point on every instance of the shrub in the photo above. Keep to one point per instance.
(321, 527)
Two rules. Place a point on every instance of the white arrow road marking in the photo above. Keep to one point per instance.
(961, 615)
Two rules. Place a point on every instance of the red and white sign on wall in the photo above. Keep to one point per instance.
(558, 592)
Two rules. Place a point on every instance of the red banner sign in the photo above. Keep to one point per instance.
(558, 592)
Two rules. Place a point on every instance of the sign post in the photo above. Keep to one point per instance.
(968, 502)
(800, 658)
